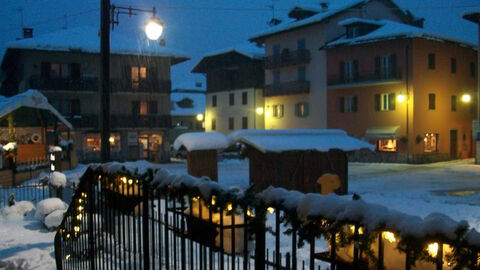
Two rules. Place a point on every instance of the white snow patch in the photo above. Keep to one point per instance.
(21, 209)
(53, 220)
(57, 179)
(48, 206)
(11, 145)
(194, 141)
(54, 149)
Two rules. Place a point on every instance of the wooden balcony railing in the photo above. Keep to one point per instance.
(364, 78)
(287, 88)
(66, 84)
(122, 121)
(142, 86)
(287, 58)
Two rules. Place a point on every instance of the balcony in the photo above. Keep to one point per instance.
(63, 84)
(287, 88)
(142, 86)
(122, 121)
(139, 121)
(287, 58)
(367, 79)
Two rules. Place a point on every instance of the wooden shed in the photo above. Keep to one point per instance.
(303, 160)
(202, 150)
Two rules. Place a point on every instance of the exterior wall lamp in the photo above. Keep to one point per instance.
(200, 117)
(259, 110)
(466, 98)
(401, 98)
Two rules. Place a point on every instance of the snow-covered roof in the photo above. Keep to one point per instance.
(321, 140)
(86, 39)
(249, 50)
(472, 16)
(389, 30)
(189, 85)
(334, 8)
(194, 141)
(32, 99)
(198, 102)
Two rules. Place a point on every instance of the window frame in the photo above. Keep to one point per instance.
(245, 98)
(231, 99)
(431, 61)
(214, 100)
(245, 122)
(231, 123)
(432, 101)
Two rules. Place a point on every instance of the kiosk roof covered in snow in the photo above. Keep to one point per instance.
(31, 99)
(195, 141)
(276, 141)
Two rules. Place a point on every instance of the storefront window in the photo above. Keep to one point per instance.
(387, 145)
(92, 143)
(115, 143)
(431, 142)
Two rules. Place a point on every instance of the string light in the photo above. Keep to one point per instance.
(432, 249)
(389, 236)
(229, 206)
(270, 210)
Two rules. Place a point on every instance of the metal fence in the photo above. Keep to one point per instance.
(123, 221)
(34, 192)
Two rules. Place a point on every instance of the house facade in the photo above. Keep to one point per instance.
(65, 67)
(296, 70)
(234, 96)
(409, 92)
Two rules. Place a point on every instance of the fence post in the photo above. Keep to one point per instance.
(58, 251)
(90, 204)
(333, 251)
(146, 243)
(440, 256)
(380, 252)
(259, 228)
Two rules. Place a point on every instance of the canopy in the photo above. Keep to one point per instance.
(32, 99)
(382, 133)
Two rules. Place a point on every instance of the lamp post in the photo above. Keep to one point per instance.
(109, 16)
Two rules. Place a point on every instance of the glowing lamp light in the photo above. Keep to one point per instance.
(432, 249)
(401, 98)
(76, 229)
(154, 28)
(200, 117)
(229, 207)
(130, 181)
(111, 140)
(213, 200)
(466, 98)
(389, 236)
(249, 213)
(270, 210)
(67, 257)
(259, 110)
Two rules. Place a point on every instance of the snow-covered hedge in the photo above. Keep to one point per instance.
(21, 208)
(57, 179)
(54, 219)
(48, 206)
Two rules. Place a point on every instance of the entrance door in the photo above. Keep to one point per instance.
(453, 144)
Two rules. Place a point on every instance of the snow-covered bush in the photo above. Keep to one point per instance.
(53, 220)
(54, 149)
(48, 206)
(21, 209)
(57, 179)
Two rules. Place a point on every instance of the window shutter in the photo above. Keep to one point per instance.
(306, 109)
(355, 69)
(45, 70)
(391, 102)
(355, 104)
(377, 102)
(342, 104)
(393, 64)
(297, 109)
(342, 71)
(378, 67)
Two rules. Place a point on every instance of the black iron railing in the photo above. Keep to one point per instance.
(287, 88)
(287, 58)
(364, 78)
(123, 121)
(124, 219)
(65, 84)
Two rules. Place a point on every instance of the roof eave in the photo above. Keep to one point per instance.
(473, 17)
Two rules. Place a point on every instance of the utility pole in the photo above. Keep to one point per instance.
(105, 79)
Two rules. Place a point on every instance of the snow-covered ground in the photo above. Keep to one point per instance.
(452, 188)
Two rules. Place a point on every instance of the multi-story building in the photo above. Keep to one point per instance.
(295, 76)
(235, 80)
(408, 91)
(188, 108)
(65, 67)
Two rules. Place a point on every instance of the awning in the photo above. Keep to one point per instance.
(382, 133)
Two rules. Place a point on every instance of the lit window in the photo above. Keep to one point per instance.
(92, 143)
(115, 143)
(143, 107)
(431, 142)
(137, 74)
(277, 110)
(301, 109)
(387, 145)
(385, 102)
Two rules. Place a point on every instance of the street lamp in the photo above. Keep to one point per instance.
(109, 16)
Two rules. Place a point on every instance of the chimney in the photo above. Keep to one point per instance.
(324, 5)
(27, 32)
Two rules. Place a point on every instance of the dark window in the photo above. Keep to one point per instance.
(431, 101)
(349, 71)
(384, 102)
(276, 49)
(45, 70)
(301, 109)
(301, 73)
(454, 104)
(75, 71)
(431, 61)
(152, 107)
(214, 124)
(385, 66)
(231, 99)
(244, 98)
(135, 107)
(377, 102)
(453, 65)
(472, 69)
(348, 104)
(245, 122)
(301, 45)
(214, 101)
(231, 123)
(276, 77)
(342, 104)
(75, 107)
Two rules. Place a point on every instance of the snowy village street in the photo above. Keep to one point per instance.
(448, 187)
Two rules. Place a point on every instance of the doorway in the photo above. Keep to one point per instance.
(453, 144)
